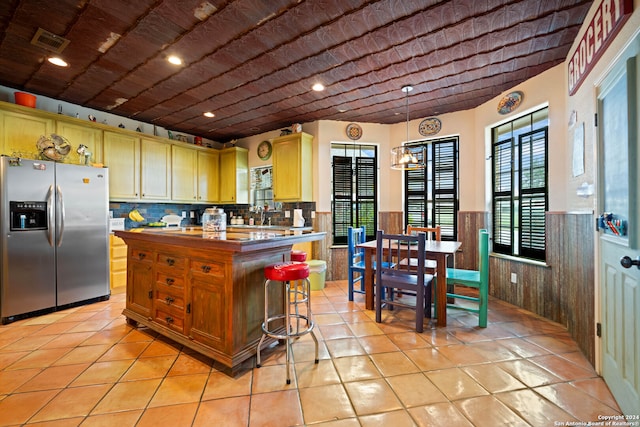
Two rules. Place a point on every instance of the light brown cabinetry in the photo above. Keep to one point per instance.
(140, 281)
(234, 175)
(117, 262)
(293, 168)
(206, 295)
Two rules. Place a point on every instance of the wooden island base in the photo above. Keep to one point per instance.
(206, 295)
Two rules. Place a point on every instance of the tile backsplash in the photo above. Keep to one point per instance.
(155, 211)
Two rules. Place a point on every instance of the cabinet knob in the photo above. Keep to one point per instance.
(170, 281)
(169, 319)
(169, 300)
(141, 255)
(206, 268)
(170, 261)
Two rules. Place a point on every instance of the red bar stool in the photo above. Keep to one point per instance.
(287, 273)
(298, 256)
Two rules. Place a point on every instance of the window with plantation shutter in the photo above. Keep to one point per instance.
(354, 197)
(431, 194)
(520, 191)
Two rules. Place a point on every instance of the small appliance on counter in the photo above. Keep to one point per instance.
(298, 220)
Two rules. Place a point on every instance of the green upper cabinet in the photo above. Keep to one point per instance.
(234, 175)
(293, 168)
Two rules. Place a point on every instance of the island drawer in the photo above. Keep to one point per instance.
(173, 281)
(169, 297)
(208, 268)
(170, 260)
(170, 318)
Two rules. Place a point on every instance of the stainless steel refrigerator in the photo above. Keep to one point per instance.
(54, 244)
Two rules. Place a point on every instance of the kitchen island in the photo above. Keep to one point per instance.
(205, 290)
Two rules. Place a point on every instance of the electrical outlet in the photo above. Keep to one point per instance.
(184, 214)
(514, 278)
(192, 214)
(287, 214)
(313, 214)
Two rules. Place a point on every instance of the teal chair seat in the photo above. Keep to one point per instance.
(478, 279)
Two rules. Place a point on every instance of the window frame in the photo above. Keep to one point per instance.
(517, 176)
(354, 202)
(437, 196)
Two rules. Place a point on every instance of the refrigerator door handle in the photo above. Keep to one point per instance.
(60, 215)
(50, 215)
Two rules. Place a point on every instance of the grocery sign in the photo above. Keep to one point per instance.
(605, 24)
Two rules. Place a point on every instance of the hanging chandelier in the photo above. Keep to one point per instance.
(407, 157)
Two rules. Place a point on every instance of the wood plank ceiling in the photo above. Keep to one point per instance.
(253, 62)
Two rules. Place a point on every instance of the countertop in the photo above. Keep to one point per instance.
(235, 238)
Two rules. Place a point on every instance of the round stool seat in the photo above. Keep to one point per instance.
(299, 256)
(286, 271)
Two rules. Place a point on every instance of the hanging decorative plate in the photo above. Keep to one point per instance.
(354, 131)
(510, 102)
(430, 126)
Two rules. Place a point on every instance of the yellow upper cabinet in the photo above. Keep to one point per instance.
(234, 175)
(77, 134)
(293, 168)
(20, 133)
(155, 170)
(122, 157)
(208, 176)
(184, 186)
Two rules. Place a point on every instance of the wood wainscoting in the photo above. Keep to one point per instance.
(563, 290)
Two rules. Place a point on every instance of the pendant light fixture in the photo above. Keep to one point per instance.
(406, 157)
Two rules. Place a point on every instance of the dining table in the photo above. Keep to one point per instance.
(437, 250)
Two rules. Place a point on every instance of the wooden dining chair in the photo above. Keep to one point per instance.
(432, 233)
(392, 277)
(356, 235)
(477, 279)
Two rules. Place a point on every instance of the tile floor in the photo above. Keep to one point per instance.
(86, 366)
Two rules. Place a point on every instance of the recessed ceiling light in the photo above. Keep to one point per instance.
(318, 87)
(174, 60)
(209, 114)
(57, 61)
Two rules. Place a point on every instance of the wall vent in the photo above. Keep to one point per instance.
(49, 41)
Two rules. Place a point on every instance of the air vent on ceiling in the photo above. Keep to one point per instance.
(49, 41)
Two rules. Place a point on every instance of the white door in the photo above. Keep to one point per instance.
(619, 239)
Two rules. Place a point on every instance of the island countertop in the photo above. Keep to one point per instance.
(235, 239)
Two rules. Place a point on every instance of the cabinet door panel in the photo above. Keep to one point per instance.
(155, 170)
(78, 134)
(208, 314)
(20, 132)
(139, 288)
(208, 176)
(122, 157)
(184, 168)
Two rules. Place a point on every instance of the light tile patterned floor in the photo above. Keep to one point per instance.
(86, 366)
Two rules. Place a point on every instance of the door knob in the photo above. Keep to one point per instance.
(627, 262)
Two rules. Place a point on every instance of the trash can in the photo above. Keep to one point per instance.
(317, 273)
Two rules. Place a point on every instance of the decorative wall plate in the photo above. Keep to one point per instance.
(354, 131)
(510, 102)
(264, 150)
(430, 126)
